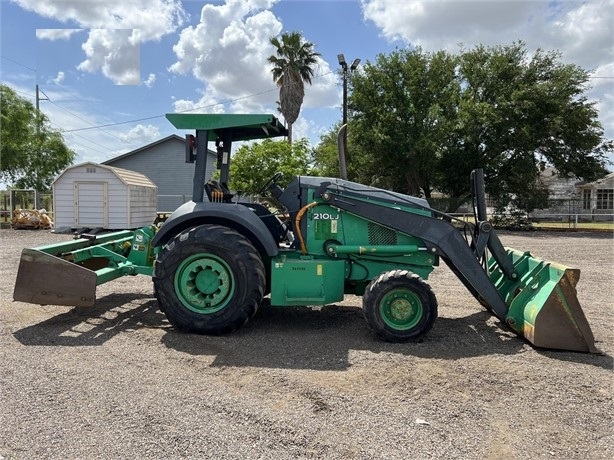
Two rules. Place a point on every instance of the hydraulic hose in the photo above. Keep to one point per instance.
(297, 225)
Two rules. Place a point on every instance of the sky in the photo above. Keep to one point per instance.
(108, 70)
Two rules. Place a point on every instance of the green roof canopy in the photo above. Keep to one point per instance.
(241, 127)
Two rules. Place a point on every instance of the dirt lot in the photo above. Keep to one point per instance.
(116, 381)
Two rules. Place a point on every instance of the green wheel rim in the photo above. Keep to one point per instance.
(401, 309)
(204, 283)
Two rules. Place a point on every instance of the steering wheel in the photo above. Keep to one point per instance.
(270, 182)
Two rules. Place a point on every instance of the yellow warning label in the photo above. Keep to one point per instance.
(319, 270)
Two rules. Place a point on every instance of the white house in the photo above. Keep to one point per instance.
(598, 197)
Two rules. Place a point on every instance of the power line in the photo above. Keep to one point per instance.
(116, 124)
(187, 110)
(21, 92)
(89, 122)
(19, 63)
(77, 135)
(62, 130)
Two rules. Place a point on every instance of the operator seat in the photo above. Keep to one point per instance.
(218, 192)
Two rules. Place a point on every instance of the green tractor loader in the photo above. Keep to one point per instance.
(215, 258)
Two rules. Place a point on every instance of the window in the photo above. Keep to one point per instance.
(90, 170)
(605, 198)
(586, 198)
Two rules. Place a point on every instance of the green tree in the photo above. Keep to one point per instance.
(255, 163)
(292, 68)
(31, 152)
(326, 154)
(518, 114)
(422, 122)
(402, 109)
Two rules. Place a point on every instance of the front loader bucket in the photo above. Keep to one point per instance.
(48, 280)
(542, 303)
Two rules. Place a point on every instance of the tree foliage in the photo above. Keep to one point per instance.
(423, 121)
(31, 152)
(292, 68)
(254, 164)
(402, 108)
(326, 154)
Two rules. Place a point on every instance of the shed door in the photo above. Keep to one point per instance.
(91, 208)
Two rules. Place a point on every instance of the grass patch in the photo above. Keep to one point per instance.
(603, 226)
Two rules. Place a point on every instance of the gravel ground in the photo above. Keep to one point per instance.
(116, 381)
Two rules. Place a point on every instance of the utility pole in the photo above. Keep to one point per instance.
(38, 131)
(344, 132)
(38, 112)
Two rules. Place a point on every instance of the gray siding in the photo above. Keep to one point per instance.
(164, 164)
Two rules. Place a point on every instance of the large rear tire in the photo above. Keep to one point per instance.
(399, 306)
(209, 280)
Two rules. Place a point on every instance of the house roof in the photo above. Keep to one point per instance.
(126, 176)
(148, 146)
(604, 182)
(550, 176)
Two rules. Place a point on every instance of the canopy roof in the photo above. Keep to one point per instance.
(240, 127)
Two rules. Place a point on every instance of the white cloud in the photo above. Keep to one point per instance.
(155, 18)
(142, 134)
(228, 52)
(581, 30)
(205, 104)
(114, 51)
(151, 79)
(59, 79)
(585, 32)
(444, 24)
(152, 18)
(56, 34)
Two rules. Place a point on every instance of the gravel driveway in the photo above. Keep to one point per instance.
(116, 381)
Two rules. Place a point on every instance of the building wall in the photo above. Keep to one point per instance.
(597, 199)
(143, 205)
(571, 199)
(164, 164)
(563, 200)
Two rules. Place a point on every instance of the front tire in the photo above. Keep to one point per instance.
(209, 280)
(399, 306)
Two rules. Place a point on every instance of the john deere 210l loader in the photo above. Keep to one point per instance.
(214, 259)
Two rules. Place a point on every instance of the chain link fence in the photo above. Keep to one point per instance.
(10, 200)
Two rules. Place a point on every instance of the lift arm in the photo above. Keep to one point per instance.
(440, 237)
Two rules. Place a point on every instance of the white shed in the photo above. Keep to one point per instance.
(91, 195)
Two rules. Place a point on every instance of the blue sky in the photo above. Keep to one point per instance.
(111, 69)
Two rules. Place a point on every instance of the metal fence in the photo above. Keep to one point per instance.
(569, 211)
(10, 200)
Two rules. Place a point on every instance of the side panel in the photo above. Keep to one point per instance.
(142, 206)
(306, 281)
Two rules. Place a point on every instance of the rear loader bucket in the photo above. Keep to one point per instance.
(48, 280)
(542, 303)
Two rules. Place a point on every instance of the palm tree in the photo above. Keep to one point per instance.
(292, 67)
